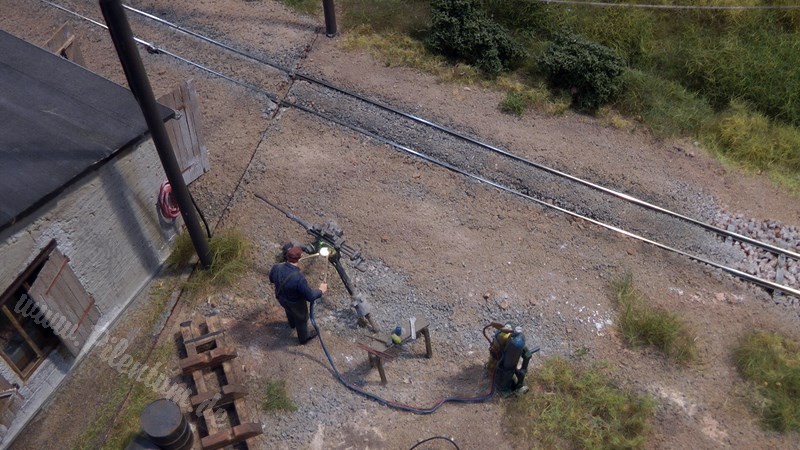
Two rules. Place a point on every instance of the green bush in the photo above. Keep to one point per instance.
(666, 107)
(629, 32)
(460, 29)
(589, 71)
(772, 362)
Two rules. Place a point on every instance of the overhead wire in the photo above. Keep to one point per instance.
(673, 7)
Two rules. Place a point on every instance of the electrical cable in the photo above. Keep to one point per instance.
(444, 438)
(388, 403)
(200, 213)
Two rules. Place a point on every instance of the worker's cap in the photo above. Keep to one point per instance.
(293, 254)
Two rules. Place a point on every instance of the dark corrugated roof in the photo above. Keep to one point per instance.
(57, 122)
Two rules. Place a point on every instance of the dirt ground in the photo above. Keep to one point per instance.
(457, 252)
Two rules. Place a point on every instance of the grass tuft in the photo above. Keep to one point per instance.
(276, 398)
(514, 103)
(310, 7)
(229, 259)
(753, 140)
(642, 324)
(664, 106)
(772, 362)
(410, 17)
(571, 408)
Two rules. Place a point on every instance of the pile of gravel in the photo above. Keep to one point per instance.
(759, 262)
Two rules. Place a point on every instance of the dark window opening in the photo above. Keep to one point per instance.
(24, 344)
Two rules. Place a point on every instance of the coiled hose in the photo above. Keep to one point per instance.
(392, 404)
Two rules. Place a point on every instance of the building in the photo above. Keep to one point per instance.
(80, 230)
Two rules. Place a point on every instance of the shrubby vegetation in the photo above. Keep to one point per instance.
(589, 71)
(461, 29)
(695, 73)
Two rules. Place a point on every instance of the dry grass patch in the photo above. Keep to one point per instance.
(229, 251)
(772, 363)
(568, 407)
(642, 324)
(276, 398)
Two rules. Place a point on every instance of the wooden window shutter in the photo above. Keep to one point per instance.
(185, 131)
(59, 290)
(10, 402)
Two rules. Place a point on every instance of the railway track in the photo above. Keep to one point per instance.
(464, 154)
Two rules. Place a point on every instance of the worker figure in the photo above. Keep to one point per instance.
(292, 292)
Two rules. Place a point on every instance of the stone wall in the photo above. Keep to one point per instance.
(108, 226)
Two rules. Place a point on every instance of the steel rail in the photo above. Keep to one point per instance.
(621, 195)
(746, 276)
(742, 275)
(152, 48)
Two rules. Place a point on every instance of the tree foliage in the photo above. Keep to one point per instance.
(589, 71)
(461, 29)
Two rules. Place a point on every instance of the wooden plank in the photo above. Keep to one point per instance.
(230, 393)
(58, 288)
(188, 332)
(56, 42)
(207, 359)
(64, 43)
(185, 133)
(196, 123)
(172, 127)
(233, 436)
(186, 145)
(195, 144)
(68, 287)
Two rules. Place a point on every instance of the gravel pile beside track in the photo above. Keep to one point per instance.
(760, 262)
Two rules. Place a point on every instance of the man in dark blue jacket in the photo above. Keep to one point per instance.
(292, 292)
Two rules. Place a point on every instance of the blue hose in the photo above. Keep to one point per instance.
(391, 404)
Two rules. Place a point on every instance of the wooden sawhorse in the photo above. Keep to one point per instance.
(381, 348)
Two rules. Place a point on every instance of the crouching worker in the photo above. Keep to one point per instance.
(293, 293)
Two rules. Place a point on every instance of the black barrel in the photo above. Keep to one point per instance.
(164, 425)
(141, 443)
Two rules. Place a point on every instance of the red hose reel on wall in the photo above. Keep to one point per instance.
(166, 203)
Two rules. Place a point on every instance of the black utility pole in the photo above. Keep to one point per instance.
(140, 86)
(330, 17)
